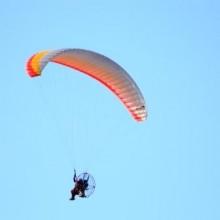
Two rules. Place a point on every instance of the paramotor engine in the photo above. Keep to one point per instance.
(91, 183)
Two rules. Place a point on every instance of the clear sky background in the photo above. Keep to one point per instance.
(166, 168)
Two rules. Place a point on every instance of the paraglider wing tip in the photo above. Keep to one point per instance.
(140, 114)
(29, 68)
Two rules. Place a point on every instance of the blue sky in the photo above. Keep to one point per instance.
(166, 168)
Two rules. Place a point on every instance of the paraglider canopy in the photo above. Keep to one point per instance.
(100, 68)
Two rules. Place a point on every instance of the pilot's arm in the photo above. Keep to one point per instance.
(74, 177)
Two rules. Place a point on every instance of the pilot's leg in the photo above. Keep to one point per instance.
(73, 194)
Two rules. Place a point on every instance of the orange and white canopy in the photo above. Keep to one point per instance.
(99, 67)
